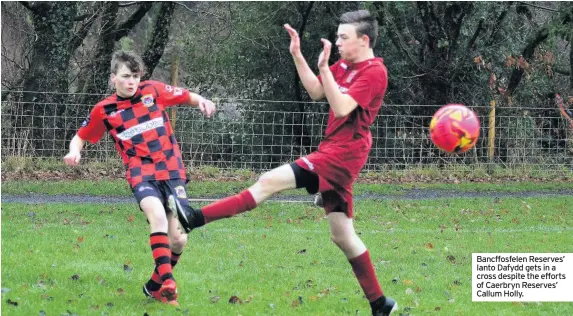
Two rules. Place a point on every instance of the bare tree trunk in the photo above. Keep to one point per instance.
(159, 39)
(53, 24)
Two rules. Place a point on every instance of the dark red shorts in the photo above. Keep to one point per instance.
(337, 167)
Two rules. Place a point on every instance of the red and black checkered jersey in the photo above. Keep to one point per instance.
(141, 130)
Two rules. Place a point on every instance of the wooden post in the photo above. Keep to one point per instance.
(491, 136)
(172, 111)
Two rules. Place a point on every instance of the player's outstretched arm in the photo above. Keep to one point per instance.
(73, 157)
(340, 103)
(307, 77)
(206, 106)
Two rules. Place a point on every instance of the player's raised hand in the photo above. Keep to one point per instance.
(72, 158)
(294, 41)
(325, 54)
(207, 107)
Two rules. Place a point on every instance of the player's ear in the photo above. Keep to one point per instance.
(365, 40)
(111, 82)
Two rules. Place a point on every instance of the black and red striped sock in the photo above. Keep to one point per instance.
(154, 284)
(162, 254)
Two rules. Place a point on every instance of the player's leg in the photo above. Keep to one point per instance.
(271, 182)
(344, 236)
(151, 204)
(177, 242)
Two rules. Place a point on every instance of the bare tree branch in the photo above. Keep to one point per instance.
(28, 5)
(562, 71)
(498, 23)
(81, 17)
(479, 28)
(200, 12)
(83, 32)
(12, 60)
(537, 6)
(394, 34)
(125, 27)
(527, 53)
(127, 4)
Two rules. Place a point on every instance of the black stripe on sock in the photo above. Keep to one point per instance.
(162, 260)
(167, 276)
(152, 286)
(155, 246)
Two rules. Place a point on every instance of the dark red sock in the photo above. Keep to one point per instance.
(230, 206)
(364, 271)
(162, 254)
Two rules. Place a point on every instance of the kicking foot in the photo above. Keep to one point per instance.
(188, 217)
(156, 295)
(383, 306)
(168, 290)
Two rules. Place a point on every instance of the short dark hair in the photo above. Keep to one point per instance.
(130, 59)
(364, 22)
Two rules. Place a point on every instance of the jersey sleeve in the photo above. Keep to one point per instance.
(333, 69)
(93, 128)
(169, 95)
(369, 85)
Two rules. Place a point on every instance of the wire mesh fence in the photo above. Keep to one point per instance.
(263, 134)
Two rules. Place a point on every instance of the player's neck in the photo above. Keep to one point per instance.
(369, 54)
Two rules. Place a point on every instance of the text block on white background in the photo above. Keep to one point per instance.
(522, 277)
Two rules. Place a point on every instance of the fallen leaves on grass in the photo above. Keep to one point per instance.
(127, 268)
(235, 300)
(451, 258)
(11, 302)
(297, 302)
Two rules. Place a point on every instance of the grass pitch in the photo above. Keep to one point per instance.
(92, 259)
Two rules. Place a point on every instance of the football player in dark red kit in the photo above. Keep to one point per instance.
(136, 119)
(354, 87)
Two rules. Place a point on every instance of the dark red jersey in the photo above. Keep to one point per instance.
(141, 130)
(344, 151)
(366, 83)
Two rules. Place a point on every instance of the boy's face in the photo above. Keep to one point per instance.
(125, 82)
(350, 45)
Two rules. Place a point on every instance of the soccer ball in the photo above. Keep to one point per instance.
(454, 128)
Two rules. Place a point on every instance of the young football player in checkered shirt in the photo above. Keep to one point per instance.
(354, 87)
(136, 119)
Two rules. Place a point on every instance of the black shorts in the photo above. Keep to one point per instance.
(305, 179)
(162, 189)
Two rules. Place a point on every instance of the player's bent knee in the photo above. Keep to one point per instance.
(277, 180)
(179, 241)
(269, 183)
